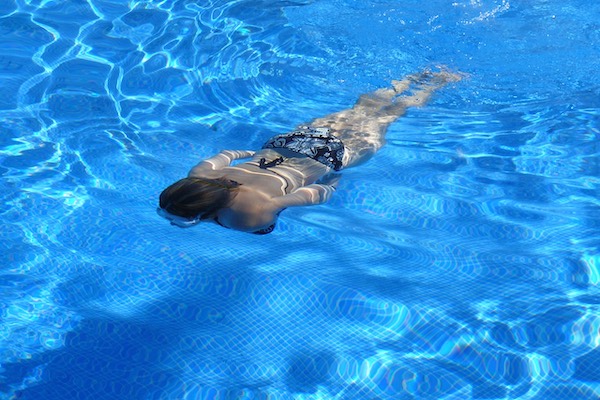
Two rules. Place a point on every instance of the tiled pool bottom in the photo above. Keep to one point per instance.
(292, 328)
(460, 263)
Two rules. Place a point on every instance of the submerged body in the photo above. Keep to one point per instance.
(293, 169)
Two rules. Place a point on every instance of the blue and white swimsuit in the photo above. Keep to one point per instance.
(315, 143)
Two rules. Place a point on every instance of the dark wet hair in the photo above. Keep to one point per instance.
(198, 197)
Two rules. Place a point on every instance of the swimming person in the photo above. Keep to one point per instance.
(296, 168)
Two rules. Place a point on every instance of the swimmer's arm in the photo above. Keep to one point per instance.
(221, 160)
(306, 196)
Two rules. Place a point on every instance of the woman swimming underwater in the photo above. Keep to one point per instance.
(250, 196)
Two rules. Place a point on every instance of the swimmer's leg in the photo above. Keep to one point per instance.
(374, 102)
(426, 84)
(362, 128)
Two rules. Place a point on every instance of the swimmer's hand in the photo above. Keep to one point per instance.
(331, 179)
(306, 196)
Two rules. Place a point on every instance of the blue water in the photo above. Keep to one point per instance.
(461, 262)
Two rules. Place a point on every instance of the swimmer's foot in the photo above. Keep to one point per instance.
(401, 86)
(416, 89)
(444, 77)
(426, 78)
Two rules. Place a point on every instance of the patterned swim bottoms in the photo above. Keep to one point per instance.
(316, 143)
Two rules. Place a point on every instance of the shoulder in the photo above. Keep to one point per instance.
(249, 211)
(204, 170)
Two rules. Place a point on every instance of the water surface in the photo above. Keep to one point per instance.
(461, 262)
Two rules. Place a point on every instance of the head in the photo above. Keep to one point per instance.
(191, 200)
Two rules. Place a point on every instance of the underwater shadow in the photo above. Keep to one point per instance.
(113, 357)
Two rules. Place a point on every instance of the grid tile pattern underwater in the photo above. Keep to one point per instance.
(461, 262)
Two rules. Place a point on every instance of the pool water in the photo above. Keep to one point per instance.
(461, 262)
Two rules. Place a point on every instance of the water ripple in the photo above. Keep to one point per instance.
(460, 262)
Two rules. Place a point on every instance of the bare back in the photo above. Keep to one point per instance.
(292, 172)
